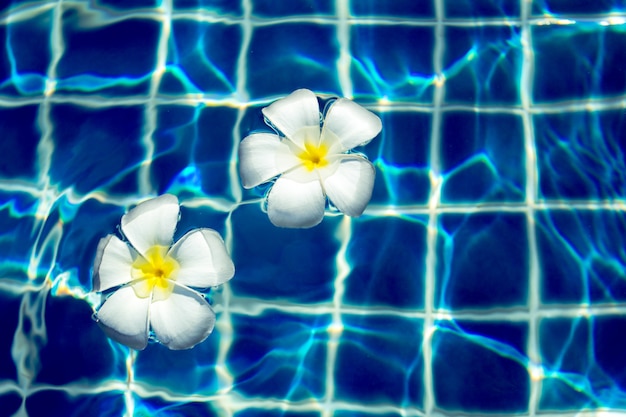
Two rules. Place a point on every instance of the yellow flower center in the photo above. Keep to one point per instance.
(155, 273)
(314, 156)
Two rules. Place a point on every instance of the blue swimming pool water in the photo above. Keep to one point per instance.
(486, 276)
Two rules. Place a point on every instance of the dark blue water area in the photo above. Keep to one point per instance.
(429, 292)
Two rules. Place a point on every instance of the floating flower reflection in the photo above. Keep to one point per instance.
(154, 278)
(311, 162)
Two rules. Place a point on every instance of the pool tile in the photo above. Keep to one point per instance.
(593, 55)
(198, 63)
(26, 55)
(9, 310)
(124, 5)
(57, 403)
(193, 147)
(607, 342)
(307, 59)
(482, 9)
(263, 412)
(576, 7)
(158, 366)
(20, 138)
(11, 402)
(479, 368)
(296, 265)
(72, 337)
(225, 8)
(482, 157)
(279, 355)
(580, 155)
(387, 262)
(583, 365)
(270, 8)
(567, 360)
(407, 73)
(96, 148)
(482, 261)
(17, 221)
(115, 59)
(406, 8)
(482, 65)
(400, 154)
(379, 361)
(581, 256)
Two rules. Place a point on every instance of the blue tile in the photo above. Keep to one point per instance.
(9, 310)
(480, 370)
(481, 9)
(72, 337)
(400, 154)
(592, 54)
(307, 59)
(295, 264)
(275, 355)
(11, 402)
(213, 149)
(483, 65)
(482, 261)
(577, 6)
(581, 155)
(26, 55)
(20, 137)
(270, 8)
(57, 403)
(17, 221)
(114, 59)
(406, 8)
(379, 361)
(568, 361)
(394, 62)
(159, 366)
(366, 414)
(96, 148)
(218, 7)
(158, 407)
(263, 412)
(387, 260)
(581, 256)
(482, 156)
(125, 5)
(84, 225)
(607, 342)
(198, 61)
(193, 149)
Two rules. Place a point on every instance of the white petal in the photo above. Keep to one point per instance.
(295, 204)
(124, 318)
(112, 266)
(350, 187)
(182, 320)
(262, 156)
(152, 222)
(203, 259)
(299, 109)
(351, 123)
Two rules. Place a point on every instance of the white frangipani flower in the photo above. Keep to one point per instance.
(312, 162)
(154, 278)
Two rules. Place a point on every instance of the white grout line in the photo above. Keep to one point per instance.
(526, 91)
(345, 57)
(151, 113)
(436, 180)
(227, 402)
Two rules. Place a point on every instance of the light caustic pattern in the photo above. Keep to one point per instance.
(486, 276)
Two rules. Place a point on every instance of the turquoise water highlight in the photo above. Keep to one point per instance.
(486, 276)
